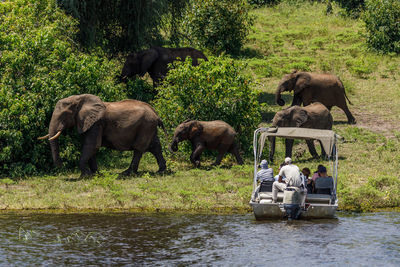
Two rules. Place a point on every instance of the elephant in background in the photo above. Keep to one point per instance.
(123, 125)
(314, 116)
(311, 87)
(213, 135)
(155, 61)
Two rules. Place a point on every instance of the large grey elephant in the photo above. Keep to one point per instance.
(155, 61)
(213, 135)
(123, 125)
(309, 87)
(314, 116)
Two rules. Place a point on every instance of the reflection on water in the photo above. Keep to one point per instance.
(98, 239)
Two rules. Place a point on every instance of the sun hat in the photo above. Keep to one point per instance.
(288, 160)
(264, 164)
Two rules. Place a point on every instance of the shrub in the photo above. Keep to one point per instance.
(40, 64)
(352, 7)
(382, 21)
(219, 25)
(214, 90)
(263, 2)
(140, 90)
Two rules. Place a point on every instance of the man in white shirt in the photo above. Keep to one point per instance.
(292, 174)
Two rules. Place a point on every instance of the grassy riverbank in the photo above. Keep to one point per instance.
(283, 38)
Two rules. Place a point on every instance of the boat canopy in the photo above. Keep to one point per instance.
(327, 137)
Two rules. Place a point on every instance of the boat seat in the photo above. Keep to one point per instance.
(266, 186)
(268, 195)
(324, 185)
(318, 198)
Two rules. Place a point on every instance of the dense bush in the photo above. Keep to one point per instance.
(352, 7)
(214, 90)
(382, 20)
(40, 64)
(126, 25)
(140, 90)
(262, 2)
(219, 25)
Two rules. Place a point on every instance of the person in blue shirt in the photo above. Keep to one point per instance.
(265, 174)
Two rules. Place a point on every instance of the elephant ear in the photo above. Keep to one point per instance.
(302, 81)
(91, 110)
(148, 58)
(300, 116)
(195, 129)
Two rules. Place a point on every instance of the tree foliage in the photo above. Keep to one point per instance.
(40, 64)
(352, 7)
(382, 21)
(219, 25)
(125, 25)
(214, 90)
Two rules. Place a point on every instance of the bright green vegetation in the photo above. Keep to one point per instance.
(215, 90)
(283, 38)
(183, 189)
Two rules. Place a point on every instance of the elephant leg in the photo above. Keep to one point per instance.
(91, 143)
(195, 156)
(137, 155)
(323, 153)
(289, 147)
(272, 141)
(93, 164)
(220, 155)
(350, 118)
(234, 150)
(88, 152)
(311, 148)
(297, 100)
(156, 150)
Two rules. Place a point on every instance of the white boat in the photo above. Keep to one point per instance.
(294, 203)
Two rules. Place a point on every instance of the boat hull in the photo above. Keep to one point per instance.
(274, 211)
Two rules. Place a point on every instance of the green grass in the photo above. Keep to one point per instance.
(284, 37)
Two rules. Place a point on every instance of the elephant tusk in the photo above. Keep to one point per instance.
(56, 136)
(43, 137)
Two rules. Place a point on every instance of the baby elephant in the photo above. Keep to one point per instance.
(214, 135)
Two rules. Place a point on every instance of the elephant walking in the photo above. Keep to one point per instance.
(155, 61)
(312, 87)
(123, 125)
(315, 116)
(213, 135)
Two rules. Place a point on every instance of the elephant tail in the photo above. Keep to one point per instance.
(161, 124)
(347, 98)
(345, 92)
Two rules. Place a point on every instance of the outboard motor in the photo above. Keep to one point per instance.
(292, 200)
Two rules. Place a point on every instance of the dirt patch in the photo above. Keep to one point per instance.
(376, 123)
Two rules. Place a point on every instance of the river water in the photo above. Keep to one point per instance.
(218, 240)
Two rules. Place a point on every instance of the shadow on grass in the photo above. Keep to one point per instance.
(340, 123)
(142, 173)
(249, 53)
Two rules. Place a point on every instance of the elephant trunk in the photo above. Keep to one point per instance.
(174, 145)
(272, 141)
(278, 98)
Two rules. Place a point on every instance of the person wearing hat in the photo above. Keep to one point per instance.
(292, 174)
(265, 174)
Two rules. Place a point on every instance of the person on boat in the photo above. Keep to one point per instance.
(316, 173)
(307, 179)
(265, 174)
(276, 178)
(292, 174)
(324, 181)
